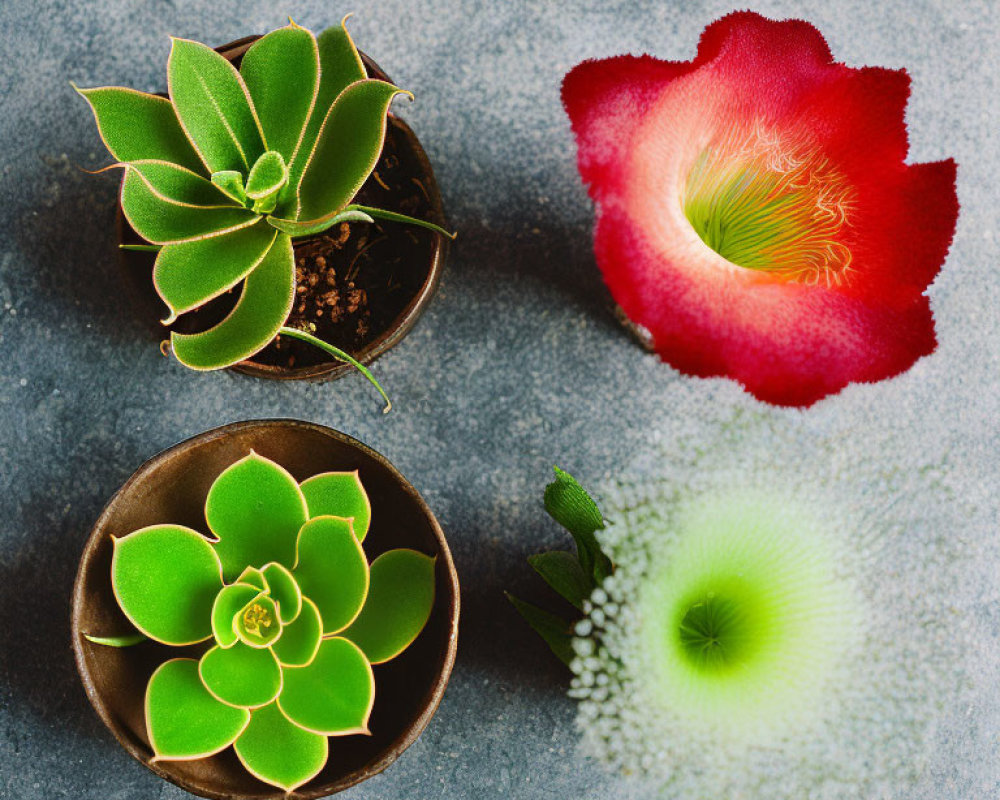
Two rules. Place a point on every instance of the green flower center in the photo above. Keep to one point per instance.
(717, 632)
(258, 620)
(765, 206)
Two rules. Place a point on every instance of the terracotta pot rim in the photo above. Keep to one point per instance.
(399, 744)
(407, 318)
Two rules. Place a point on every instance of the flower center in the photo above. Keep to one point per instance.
(766, 205)
(719, 630)
(257, 620)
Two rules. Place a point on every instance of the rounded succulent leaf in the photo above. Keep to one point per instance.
(334, 694)
(165, 578)
(228, 603)
(242, 676)
(276, 751)
(183, 720)
(300, 639)
(257, 624)
(332, 571)
(263, 307)
(253, 577)
(399, 604)
(255, 509)
(267, 176)
(283, 589)
(339, 494)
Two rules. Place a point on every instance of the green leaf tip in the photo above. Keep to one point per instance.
(125, 640)
(569, 504)
(554, 630)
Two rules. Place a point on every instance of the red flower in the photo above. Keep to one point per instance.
(754, 211)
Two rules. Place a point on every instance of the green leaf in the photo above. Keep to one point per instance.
(183, 720)
(331, 570)
(392, 216)
(179, 185)
(562, 571)
(278, 752)
(554, 630)
(136, 126)
(283, 589)
(253, 577)
(228, 603)
(255, 509)
(340, 66)
(257, 625)
(213, 107)
(247, 677)
(309, 228)
(165, 578)
(398, 606)
(268, 175)
(334, 694)
(126, 640)
(263, 307)
(339, 494)
(189, 274)
(281, 72)
(230, 183)
(300, 639)
(569, 504)
(347, 149)
(162, 220)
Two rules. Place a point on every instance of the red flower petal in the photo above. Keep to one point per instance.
(754, 210)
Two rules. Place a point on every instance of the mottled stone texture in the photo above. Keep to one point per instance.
(518, 364)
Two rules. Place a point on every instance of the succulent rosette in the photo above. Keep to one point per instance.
(223, 174)
(755, 214)
(293, 613)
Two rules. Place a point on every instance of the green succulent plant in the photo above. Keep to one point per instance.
(294, 614)
(221, 176)
(574, 576)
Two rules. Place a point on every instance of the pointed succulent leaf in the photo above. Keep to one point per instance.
(277, 751)
(136, 126)
(230, 183)
(183, 720)
(392, 216)
(255, 510)
(213, 107)
(299, 641)
(268, 174)
(257, 624)
(347, 149)
(263, 307)
(163, 220)
(228, 603)
(189, 274)
(179, 185)
(398, 606)
(165, 578)
(332, 571)
(334, 694)
(281, 72)
(569, 504)
(247, 677)
(283, 589)
(562, 571)
(553, 629)
(340, 66)
(254, 577)
(339, 494)
(309, 228)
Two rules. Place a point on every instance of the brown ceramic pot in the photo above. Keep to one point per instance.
(423, 262)
(171, 487)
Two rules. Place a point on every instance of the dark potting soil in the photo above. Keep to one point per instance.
(353, 281)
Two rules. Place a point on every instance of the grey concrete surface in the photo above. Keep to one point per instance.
(518, 363)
